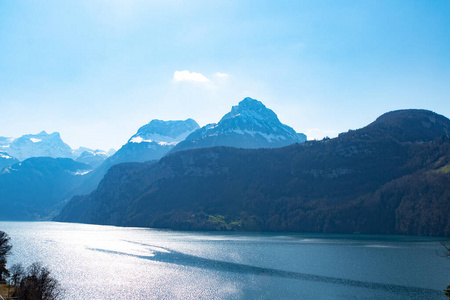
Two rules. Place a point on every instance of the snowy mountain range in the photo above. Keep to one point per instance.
(47, 145)
(248, 125)
(390, 177)
(35, 145)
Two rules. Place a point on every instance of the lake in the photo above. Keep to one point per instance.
(107, 262)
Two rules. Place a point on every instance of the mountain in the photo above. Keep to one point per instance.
(6, 160)
(408, 125)
(94, 158)
(248, 125)
(151, 142)
(34, 189)
(164, 132)
(390, 177)
(77, 152)
(39, 145)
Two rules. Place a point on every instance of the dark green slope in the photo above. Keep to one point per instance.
(389, 177)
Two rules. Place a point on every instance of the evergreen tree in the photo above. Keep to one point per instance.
(5, 247)
(3, 271)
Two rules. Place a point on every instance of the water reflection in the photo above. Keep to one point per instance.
(165, 255)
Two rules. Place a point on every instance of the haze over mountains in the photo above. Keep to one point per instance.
(47, 145)
(151, 142)
(34, 189)
(246, 172)
(41, 144)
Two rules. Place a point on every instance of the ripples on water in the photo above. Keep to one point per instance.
(105, 262)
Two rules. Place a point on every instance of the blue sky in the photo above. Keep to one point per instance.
(97, 70)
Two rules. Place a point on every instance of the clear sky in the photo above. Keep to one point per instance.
(97, 70)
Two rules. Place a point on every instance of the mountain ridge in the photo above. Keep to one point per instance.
(364, 181)
(151, 142)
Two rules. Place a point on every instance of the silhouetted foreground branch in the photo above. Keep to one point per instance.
(446, 254)
(34, 283)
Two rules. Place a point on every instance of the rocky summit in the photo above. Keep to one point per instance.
(153, 140)
(248, 125)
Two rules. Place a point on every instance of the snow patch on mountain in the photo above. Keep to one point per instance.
(80, 173)
(5, 155)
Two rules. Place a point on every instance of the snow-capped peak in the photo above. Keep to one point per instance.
(41, 144)
(253, 118)
(164, 132)
(250, 108)
(250, 124)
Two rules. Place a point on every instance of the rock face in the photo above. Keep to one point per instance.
(39, 145)
(34, 189)
(391, 177)
(248, 125)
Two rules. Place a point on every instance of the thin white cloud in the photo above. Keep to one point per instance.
(189, 76)
(223, 75)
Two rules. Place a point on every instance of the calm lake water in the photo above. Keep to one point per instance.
(106, 262)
